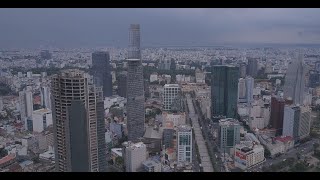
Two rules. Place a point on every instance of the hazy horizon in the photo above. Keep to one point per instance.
(64, 27)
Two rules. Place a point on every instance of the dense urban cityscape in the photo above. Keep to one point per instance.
(160, 109)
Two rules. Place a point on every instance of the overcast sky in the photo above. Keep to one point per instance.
(107, 27)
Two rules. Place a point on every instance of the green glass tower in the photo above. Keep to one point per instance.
(224, 90)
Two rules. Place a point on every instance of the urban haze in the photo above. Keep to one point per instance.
(159, 90)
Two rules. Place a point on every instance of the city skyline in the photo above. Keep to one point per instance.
(173, 109)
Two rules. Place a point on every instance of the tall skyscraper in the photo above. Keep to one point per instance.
(26, 105)
(252, 68)
(45, 97)
(78, 121)
(296, 121)
(135, 86)
(229, 134)
(146, 88)
(102, 72)
(1, 104)
(277, 111)
(171, 93)
(242, 91)
(295, 81)
(173, 65)
(249, 89)
(134, 42)
(184, 140)
(135, 100)
(224, 91)
(122, 84)
(134, 154)
(243, 70)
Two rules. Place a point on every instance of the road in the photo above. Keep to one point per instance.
(304, 148)
(199, 140)
(195, 161)
(207, 127)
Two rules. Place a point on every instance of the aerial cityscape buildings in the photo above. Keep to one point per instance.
(153, 106)
(135, 87)
(294, 86)
(102, 72)
(76, 121)
(224, 91)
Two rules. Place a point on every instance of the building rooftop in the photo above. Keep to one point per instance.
(151, 133)
(42, 111)
(171, 85)
(72, 73)
(228, 122)
(184, 128)
(150, 163)
(134, 146)
(131, 60)
(7, 158)
(284, 138)
(26, 163)
(117, 151)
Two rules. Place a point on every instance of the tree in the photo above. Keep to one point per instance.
(119, 161)
(267, 152)
(315, 146)
(3, 152)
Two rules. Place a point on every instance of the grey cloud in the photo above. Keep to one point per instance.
(106, 27)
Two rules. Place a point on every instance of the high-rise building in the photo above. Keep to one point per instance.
(314, 79)
(224, 90)
(317, 68)
(243, 70)
(165, 64)
(135, 86)
(249, 89)
(229, 134)
(184, 141)
(168, 136)
(45, 54)
(41, 119)
(78, 121)
(242, 91)
(173, 65)
(134, 42)
(171, 93)
(296, 122)
(277, 111)
(295, 81)
(122, 84)
(1, 104)
(102, 72)
(135, 100)
(45, 97)
(252, 68)
(146, 88)
(200, 76)
(134, 155)
(26, 104)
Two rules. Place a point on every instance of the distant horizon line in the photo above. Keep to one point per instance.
(203, 45)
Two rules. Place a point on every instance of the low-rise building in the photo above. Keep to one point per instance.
(151, 165)
(277, 145)
(248, 154)
(176, 118)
